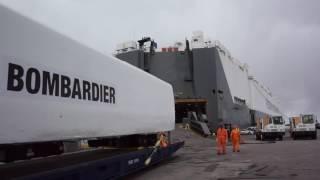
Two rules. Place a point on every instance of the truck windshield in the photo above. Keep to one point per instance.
(307, 119)
(277, 120)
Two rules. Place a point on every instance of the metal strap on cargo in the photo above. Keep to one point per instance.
(178, 101)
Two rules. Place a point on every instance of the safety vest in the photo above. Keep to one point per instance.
(235, 134)
(222, 133)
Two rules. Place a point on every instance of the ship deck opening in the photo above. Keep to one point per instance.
(183, 106)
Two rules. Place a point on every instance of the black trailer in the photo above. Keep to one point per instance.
(92, 164)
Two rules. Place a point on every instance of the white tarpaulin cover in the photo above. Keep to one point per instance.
(53, 88)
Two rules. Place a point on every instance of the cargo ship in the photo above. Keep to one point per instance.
(206, 79)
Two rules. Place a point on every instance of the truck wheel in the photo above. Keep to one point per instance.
(257, 137)
(280, 138)
(314, 135)
(294, 137)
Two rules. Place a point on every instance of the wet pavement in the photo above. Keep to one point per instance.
(287, 159)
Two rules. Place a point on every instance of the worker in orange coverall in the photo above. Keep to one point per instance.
(163, 140)
(222, 138)
(235, 138)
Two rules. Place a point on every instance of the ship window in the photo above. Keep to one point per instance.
(213, 91)
(220, 92)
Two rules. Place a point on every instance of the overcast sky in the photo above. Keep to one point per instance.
(279, 39)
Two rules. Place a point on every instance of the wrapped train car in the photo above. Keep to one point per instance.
(53, 88)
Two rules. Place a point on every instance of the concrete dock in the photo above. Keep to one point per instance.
(287, 159)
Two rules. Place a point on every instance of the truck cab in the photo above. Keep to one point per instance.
(303, 125)
(270, 127)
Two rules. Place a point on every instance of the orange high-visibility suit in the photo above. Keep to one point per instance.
(235, 137)
(222, 138)
(163, 140)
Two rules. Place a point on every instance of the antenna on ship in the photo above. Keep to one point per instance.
(153, 44)
(142, 41)
(187, 45)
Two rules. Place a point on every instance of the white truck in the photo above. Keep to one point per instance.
(270, 128)
(303, 125)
